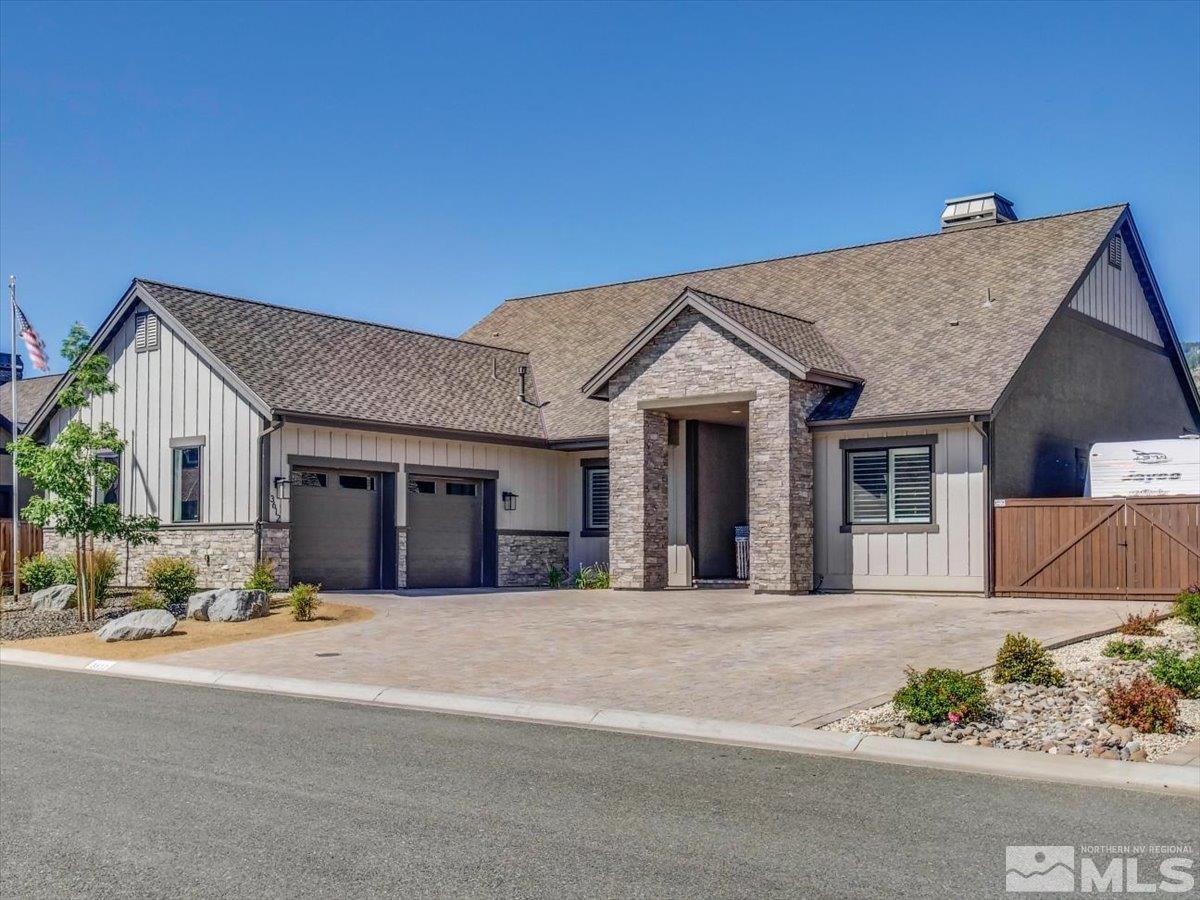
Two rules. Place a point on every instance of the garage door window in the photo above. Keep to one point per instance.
(422, 487)
(308, 479)
(457, 489)
(357, 482)
(186, 500)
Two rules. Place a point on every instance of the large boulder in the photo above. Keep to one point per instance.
(135, 626)
(198, 604)
(53, 599)
(228, 605)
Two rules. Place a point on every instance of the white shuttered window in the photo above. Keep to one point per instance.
(890, 486)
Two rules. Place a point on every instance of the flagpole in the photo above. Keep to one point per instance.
(16, 427)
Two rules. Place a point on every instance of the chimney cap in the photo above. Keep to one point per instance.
(975, 210)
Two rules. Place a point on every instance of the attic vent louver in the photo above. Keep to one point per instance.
(976, 211)
(145, 334)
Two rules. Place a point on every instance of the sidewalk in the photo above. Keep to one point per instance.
(1180, 780)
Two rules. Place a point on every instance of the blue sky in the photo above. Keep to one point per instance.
(418, 164)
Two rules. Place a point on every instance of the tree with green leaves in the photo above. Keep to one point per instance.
(72, 473)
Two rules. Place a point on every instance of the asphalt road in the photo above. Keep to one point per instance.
(119, 788)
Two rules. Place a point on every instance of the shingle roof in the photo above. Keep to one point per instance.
(888, 309)
(322, 365)
(31, 393)
(797, 337)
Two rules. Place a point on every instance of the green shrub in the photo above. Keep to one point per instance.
(1187, 606)
(147, 600)
(263, 577)
(555, 577)
(1141, 626)
(1142, 705)
(1175, 671)
(304, 600)
(594, 577)
(172, 577)
(1134, 649)
(1024, 659)
(937, 695)
(64, 569)
(39, 572)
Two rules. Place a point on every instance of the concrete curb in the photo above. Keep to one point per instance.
(1152, 777)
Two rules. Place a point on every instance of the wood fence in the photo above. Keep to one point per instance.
(1136, 548)
(31, 544)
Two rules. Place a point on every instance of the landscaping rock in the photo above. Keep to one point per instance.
(228, 605)
(136, 626)
(1061, 721)
(198, 604)
(53, 599)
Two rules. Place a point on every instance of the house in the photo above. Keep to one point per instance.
(859, 409)
(31, 394)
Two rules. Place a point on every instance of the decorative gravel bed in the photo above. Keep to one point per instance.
(1064, 720)
(19, 622)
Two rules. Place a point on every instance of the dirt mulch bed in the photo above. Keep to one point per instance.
(192, 635)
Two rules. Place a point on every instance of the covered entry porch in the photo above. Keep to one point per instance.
(708, 430)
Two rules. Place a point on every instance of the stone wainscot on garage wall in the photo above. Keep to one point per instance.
(526, 557)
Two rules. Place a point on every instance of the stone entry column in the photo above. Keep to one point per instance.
(781, 487)
(637, 534)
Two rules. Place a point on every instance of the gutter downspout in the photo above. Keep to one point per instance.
(264, 484)
(982, 427)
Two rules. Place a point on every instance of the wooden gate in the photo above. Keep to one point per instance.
(1098, 548)
(31, 545)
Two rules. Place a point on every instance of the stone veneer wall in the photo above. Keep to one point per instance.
(401, 556)
(276, 545)
(693, 356)
(637, 530)
(527, 556)
(223, 555)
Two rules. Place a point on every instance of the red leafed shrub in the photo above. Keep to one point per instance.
(1141, 626)
(1143, 705)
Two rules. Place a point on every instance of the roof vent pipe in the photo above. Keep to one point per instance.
(522, 371)
(977, 211)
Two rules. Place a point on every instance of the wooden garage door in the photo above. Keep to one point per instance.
(335, 528)
(1097, 547)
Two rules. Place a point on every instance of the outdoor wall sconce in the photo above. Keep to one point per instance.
(510, 500)
(282, 487)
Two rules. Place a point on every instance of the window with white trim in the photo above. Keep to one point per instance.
(889, 486)
(595, 499)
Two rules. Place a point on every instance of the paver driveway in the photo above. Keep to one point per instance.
(724, 654)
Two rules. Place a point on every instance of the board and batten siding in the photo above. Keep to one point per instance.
(951, 559)
(540, 478)
(170, 393)
(582, 551)
(1115, 297)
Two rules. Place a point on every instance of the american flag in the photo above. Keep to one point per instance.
(33, 343)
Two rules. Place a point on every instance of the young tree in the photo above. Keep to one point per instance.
(72, 473)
